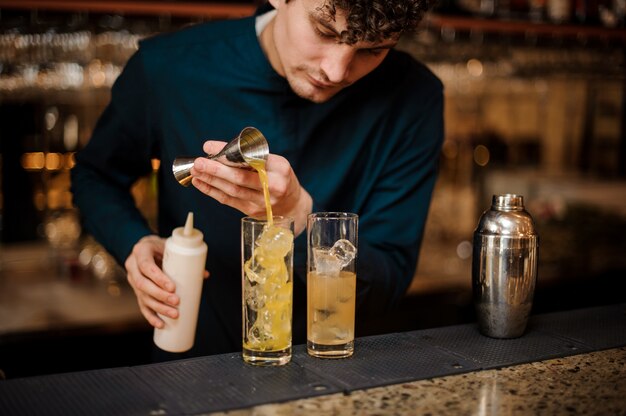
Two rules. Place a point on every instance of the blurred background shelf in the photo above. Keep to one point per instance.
(199, 9)
(525, 28)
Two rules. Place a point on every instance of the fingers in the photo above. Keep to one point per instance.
(281, 177)
(235, 187)
(154, 290)
(213, 147)
(288, 196)
(152, 318)
(241, 188)
(250, 205)
(210, 170)
(226, 192)
(147, 305)
(230, 179)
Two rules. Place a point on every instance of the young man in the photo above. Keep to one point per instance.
(352, 125)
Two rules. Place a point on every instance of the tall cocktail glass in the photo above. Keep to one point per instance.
(267, 287)
(331, 283)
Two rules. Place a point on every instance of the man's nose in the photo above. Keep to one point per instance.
(336, 63)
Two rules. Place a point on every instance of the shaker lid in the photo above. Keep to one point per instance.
(508, 202)
(507, 217)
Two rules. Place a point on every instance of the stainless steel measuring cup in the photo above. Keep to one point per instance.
(249, 144)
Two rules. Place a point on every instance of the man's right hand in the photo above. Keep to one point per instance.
(154, 290)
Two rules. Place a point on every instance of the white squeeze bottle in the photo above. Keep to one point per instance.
(184, 262)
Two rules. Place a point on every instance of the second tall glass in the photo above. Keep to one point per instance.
(267, 287)
(331, 283)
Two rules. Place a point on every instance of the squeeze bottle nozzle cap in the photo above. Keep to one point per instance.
(188, 225)
(188, 236)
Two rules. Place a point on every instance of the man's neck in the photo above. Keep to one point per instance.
(266, 39)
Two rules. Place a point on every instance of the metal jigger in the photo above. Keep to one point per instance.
(249, 145)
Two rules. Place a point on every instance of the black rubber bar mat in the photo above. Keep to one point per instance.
(553, 335)
(383, 360)
(467, 342)
(99, 392)
(598, 328)
(225, 382)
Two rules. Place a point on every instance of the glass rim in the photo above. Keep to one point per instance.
(262, 220)
(333, 215)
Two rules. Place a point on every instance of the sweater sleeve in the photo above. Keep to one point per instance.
(118, 153)
(391, 224)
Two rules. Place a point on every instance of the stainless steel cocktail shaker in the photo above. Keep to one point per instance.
(504, 267)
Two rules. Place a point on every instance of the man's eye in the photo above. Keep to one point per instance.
(374, 52)
(325, 35)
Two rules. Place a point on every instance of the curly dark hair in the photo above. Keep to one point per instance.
(377, 20)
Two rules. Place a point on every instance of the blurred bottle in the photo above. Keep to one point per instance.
(536, 10)
(586, 12)
(559, 11)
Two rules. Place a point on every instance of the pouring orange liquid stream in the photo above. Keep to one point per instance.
(259, 166)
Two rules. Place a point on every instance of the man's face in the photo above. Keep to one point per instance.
(309, 54)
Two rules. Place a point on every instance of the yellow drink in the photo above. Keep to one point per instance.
(268, 294)
(332, 241)
(267, 284)
(330, 313)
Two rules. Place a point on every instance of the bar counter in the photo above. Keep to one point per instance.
(589, 384)
(569, 362)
